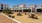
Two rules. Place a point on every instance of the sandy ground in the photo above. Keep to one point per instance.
(5, 20)
(24, 18)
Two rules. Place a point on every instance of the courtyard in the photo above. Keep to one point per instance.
(24, 18)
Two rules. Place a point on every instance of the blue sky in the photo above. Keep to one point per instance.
(17, 2)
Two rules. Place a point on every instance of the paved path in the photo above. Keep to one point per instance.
(4, 19)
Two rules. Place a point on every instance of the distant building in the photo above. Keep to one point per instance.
(22, 5)
(4, 6)
(20, 8)
(11, 8)
(23, 8)
(38, 9)
(33, 6)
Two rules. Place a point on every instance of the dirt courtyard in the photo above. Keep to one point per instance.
(24, 18)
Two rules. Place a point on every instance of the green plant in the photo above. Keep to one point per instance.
(7, 11)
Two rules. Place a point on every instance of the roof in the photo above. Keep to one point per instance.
(38, 7)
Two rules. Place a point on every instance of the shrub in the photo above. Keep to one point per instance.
(19, 14)
(13, 16)
(9, 15)
(7, 11)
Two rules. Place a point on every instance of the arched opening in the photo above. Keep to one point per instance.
(26, 10)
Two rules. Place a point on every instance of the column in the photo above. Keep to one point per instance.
(22, 9)
(35, 10)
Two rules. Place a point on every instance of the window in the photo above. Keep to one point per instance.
(29, 10)
(1, 6)
(26, 10)
(5, 5)
(20, 10)
(39, 10)
(15, 10)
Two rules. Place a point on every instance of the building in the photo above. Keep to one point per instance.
(23, 8)
(33, 6)
(19, 7)
(22, 5)
(38, 9)
(4, 6)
